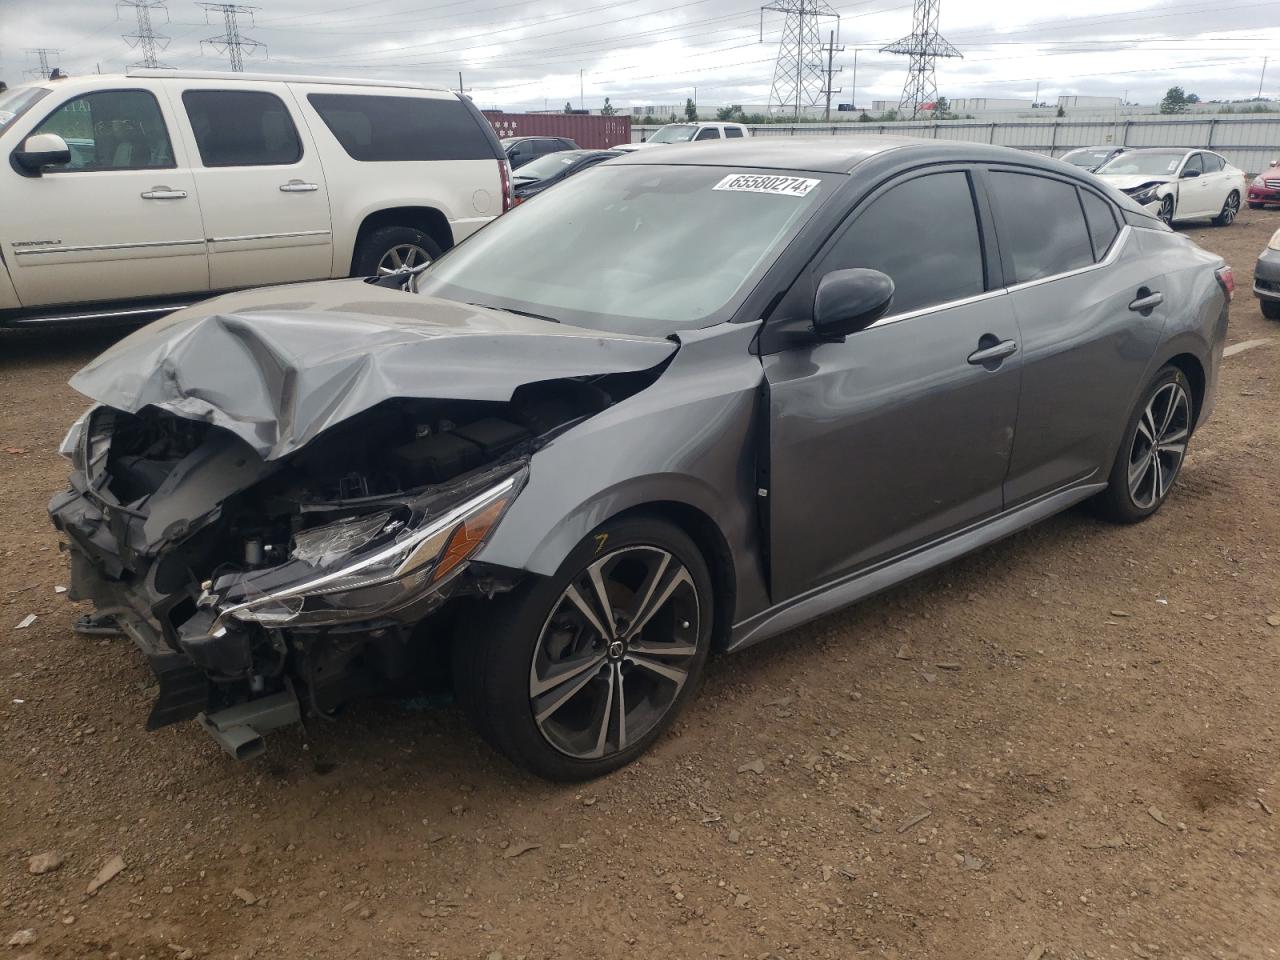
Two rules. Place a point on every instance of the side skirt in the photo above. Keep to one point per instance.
(857, 586)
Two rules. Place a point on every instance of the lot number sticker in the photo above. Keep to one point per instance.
(760, 183)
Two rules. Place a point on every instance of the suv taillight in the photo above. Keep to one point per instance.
(1226, 280)
(504, 171)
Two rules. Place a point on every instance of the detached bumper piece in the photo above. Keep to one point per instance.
(239, 730)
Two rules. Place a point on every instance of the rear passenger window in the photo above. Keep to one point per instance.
(924, 234)
(1102, 223)
(1041, 225)
(731, 132)
(383, 129)
(1212, 162)
(242, 128)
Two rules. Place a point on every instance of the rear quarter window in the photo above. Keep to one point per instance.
(383, 129)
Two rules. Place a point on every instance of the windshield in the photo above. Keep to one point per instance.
(14, 103)
(547, 165)
(632, 248)
(674, 133)
(1158, 163)
(1086, 158)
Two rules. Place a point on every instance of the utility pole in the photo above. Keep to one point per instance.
(41, 54)
(145, 39)
(232, 42)
(582, 102)
(924, 44)
(831, 52)
(1262, 79)
(799, 77)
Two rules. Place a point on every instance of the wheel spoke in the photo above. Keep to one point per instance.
(1169, 410)
(566, 692)
(396, 261)
(1138, 472)
(621, 698)
(674, 674)
(606, 714)
(646, 592)
(1177, 436)
(1176, 449)
(1157, 482)
(562, 673)
(677, 577)
(578, 600)
(603, 604)
(663, 649)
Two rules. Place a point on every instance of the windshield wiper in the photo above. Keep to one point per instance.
(522, 313)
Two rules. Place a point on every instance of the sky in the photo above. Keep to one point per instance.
(523, 55)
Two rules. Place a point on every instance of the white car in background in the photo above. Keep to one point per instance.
(126, 197)
(1178, 184)
(692, 132)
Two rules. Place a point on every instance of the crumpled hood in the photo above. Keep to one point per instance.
(1129, 181)
(280, 365)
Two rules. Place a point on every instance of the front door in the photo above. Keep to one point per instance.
(262, 187)
(902, 433)
(121, 221)
(1194, 189)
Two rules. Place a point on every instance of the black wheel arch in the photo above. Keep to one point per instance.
(429, 220)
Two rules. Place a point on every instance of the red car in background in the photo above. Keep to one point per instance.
(1265, 188)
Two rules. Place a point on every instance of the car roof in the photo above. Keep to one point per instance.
(97, 80)
(832, 154)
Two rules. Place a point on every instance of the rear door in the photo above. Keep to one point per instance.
(1089, 310)
(119, 222)
(900, 434)
(262, 186)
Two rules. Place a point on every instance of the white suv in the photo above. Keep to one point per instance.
(692, 132)
(129, 196)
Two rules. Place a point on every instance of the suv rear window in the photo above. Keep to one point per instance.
(241, 128)
(382, 129)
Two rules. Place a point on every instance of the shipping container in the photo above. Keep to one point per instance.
(586, 131)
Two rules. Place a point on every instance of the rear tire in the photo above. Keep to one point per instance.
(1152, 452)
(1230, 207)
(556, 680)
(383, 251)
(1270, 309)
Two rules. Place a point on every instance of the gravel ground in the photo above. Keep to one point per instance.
(1064, 746)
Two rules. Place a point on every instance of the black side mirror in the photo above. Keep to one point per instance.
(1190, 173)
(850, 300)
(42, 150)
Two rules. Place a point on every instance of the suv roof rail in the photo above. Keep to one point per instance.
(276, 77)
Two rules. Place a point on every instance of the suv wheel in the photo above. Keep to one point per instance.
(389, 249)
(575, 675)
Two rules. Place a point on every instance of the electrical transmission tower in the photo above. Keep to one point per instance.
(923, 45)
(232, 42)
(799, 76)
(41, 54)
(145, 38)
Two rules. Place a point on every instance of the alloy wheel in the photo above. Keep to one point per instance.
(1159, 445)
(1230, 209)
(403, 256)
(1166, 210)
(615, 652)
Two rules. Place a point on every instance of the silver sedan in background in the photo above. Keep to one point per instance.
(686, 401)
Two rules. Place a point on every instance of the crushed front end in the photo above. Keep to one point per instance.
(265, 591)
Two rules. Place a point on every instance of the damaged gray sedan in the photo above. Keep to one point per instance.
(679, 404)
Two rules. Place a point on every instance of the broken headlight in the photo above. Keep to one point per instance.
(368, 566)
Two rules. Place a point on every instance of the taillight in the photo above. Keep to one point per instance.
(504, 171)
(1226, 280)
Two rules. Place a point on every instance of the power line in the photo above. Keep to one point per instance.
(924, 44)
(41, 54)
(798, 78)
(232, 42)
(145, 39)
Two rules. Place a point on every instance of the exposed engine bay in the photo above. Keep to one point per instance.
(282, 588)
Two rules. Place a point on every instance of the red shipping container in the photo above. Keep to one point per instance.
(584, 130)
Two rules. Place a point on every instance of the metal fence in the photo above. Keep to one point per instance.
(1248, 142)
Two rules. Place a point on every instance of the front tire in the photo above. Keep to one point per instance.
(1270, 309)
(1152, 452)
(388, 249)
(1166, 210)
(575, 675)
(1230, 207)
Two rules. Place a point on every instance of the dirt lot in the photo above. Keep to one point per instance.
(1086, 717)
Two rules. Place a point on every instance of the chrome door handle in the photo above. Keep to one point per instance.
(993, 354)
(298, 186)
(164, 193)
(1147, 302)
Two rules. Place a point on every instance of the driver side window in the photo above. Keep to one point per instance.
(1192, 165)
(924, 234)
(112, 130)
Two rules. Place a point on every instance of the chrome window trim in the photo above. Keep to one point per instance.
(271, 236)
(87, 248)
(1112, 256)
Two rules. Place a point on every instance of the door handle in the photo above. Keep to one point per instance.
(994, 353)
(1147, 301)
(298, 186)
(164, 193)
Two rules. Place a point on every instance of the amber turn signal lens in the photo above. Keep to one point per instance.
(467, 538)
